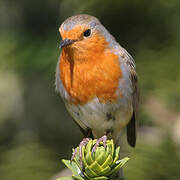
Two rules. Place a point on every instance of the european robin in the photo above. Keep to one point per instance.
(97, 79)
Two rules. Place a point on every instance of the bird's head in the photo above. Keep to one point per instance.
(84, 34)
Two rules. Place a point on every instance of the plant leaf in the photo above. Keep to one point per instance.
(120, 163)
(100, 178)
(77, 177)
(116, 157)
(73, 167)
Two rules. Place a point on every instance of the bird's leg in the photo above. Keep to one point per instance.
(84, 142)
(102, 139)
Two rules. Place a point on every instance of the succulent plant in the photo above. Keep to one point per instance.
(101, 164)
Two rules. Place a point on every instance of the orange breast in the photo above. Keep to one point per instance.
(95, 77)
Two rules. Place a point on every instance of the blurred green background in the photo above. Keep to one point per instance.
(35, 129)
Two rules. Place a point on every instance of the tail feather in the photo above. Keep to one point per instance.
(131, 131)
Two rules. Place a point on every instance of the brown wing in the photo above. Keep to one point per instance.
(131, 127)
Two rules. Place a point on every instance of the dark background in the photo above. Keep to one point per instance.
(35, 129)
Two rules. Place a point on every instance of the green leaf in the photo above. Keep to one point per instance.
(122, 161)
(89, 172)
(108, 161)
(105, 171)
(116, 157)
(112, 148)
(101, 158)
(77, 177)
(76, 158)
(95, 167)
(100, 178)
(100, 150)
(73, 167)
(108, 150)
(120, 164)
(89, 147)
(88, 159)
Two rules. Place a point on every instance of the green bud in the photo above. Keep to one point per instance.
(102, 164)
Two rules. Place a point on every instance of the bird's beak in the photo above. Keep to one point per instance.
(66, 42)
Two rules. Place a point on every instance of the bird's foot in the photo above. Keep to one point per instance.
(102, 139)
(84, 142)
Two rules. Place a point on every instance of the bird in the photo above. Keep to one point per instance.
(97, 80)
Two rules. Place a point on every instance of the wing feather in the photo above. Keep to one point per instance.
(131, 127)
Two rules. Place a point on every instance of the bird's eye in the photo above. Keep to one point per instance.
(87, 33)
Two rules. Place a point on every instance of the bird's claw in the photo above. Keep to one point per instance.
(102, 139)
(84, 142)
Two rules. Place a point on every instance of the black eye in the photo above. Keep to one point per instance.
(87, 33)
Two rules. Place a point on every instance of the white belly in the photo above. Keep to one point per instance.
(102, 118)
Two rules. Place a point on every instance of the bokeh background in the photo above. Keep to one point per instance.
(35, 129)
